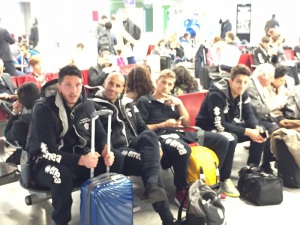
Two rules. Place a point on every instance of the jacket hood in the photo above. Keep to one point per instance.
(221, 86)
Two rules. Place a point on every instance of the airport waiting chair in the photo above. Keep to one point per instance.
(192, 103)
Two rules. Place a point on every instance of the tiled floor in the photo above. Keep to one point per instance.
(14, 211)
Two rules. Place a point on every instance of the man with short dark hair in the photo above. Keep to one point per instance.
(97, 74)
(64, 159)
(227, 108)
(262, 53)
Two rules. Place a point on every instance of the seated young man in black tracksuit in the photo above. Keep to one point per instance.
(224, 108)
(17, 126)
(139, 146)
(61, 132)
(163, 113)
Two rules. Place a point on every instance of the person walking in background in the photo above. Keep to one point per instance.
(272, 23)
(107, 40)
(5, 54)
(225, 26)
(100, 26)
(34, 34)
(135, 33)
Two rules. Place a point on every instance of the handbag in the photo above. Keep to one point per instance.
(260, 188)
(292, 109)
(26, 163)
(205, 208)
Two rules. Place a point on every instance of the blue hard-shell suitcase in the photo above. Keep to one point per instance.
(107, 200)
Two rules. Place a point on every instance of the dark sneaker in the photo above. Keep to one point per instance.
(53, 223)
(266, 168)
(174, 222)
(153, 193)
(180, 196)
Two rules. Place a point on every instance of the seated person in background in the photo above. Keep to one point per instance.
(185, 82)
(161, 48)
(37, 76)
(227, 108)
(97, 74)
(164, 113)
(279, 58)
(297, 51)
(215, 51)
(65, 159)
(24, 56)
(138, 83)
(8, 91)
(139, 146)
(262, 53)
(17, 126)
(185, 42)
(280, 83)
(177, 50)
(266, 104)
(79, 57)
(230, 54)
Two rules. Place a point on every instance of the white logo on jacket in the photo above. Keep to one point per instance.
(49, 156)
(55, 172)
(87, 126)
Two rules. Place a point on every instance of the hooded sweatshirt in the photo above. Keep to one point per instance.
(221, 112)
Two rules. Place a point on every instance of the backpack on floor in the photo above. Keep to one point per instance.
(203, 165)
(205, 208)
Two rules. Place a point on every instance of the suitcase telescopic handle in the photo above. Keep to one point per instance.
(95, 116)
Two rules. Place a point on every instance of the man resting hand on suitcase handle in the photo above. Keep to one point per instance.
(139, 146)
(91, 160)
(66, 136)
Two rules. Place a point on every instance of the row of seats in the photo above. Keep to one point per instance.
(19, 80)
(247, 59)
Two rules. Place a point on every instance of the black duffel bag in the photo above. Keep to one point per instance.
(260, 188)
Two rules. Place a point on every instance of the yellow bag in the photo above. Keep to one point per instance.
(207, 161)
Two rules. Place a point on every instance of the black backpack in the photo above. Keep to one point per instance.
(104, 42)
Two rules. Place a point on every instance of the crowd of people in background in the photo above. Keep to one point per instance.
(154, 103)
